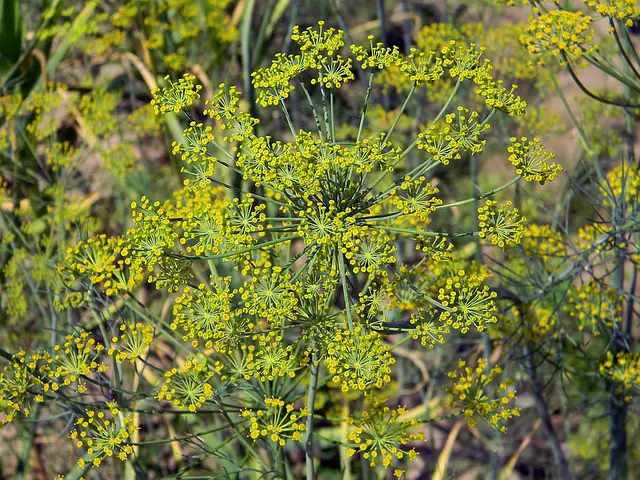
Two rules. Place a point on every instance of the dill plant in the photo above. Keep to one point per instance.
(303, 284)
(292, 270)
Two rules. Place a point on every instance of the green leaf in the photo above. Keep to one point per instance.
(11, 31)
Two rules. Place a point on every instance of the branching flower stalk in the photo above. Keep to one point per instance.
(292, 278)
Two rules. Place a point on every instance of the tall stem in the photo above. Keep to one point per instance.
(311, 400)
(364, 107)
(402, 109)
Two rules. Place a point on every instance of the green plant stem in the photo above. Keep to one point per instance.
(481, 196)
(425, 233)
(288, 119)
(311, 400)
(237, 252)
(316, 118)
(400, 113)
(365, 105)
(325, 110)
(345, 289)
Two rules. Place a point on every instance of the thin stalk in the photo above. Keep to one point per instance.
(400, 113)
(288, 118)
(345, 289)
(333, 118)
(325, 110)
(481, 196)
(311, 400)
(365, 105)
(581, 133)
(236, 252)
(316, 118)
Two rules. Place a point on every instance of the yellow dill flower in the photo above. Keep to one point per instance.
(465, 130)
(205, 314)
(102, 260)
(503, 224)
(277, 422)
(544, 243)
(381, 436)
(18, 382)
(273, 358)
(427, 327)
(189, 387)
(624, 10)
(467, 302)
(593, 306)
(598, 238)
(497, 96)
(15, 284)
(623, 183)
(421, 67)
(77, 357)
(131, 342)
(45, 103)
(531, 160)
(270, 295)
(103, 436)
(121, 160)
(416, 197)
(473, 394)
(177, 96)
(224, 104)
(97, 110)
(60, 155)
(358, 360)
(558, 33)
(322, 41)
(334, 72)
(535, 323)
(377, 56)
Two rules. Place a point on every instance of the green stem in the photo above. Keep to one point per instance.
(365, 105)
(311, 400)
(288, 118)
(313, 111)
(237, 252)
(400, 113)
(345, 289)
(480, 197)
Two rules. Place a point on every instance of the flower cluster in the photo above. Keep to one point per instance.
(17, 379)
(358, 360)
(102, 436)
(71, 362)
(277, 422)
(503, 224)
(298, 265)
(625, 10)
(381, 435)
(543, 243)
(176, 96)
(189, 386)
(531, 160)
(471, 392)
(132, 342)
(559, 34)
